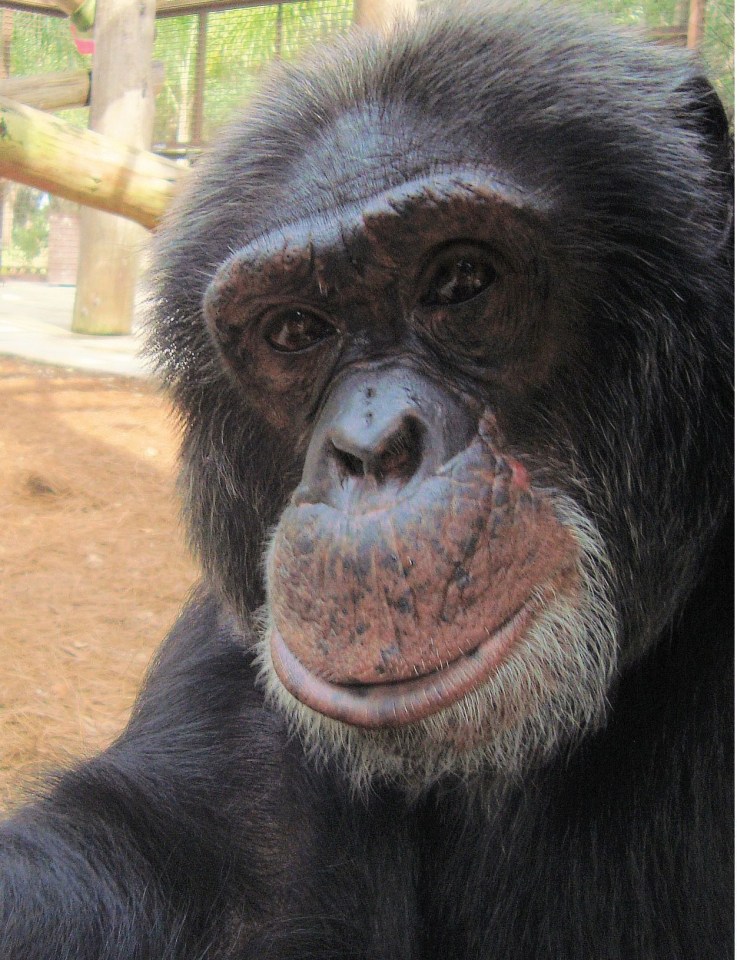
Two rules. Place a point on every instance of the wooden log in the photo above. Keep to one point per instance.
(50, 91)
(45, 152)
(59, 91)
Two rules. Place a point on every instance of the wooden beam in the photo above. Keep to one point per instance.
(164, 8)
(45, 152)
(50, 91)
(671, 35)
(6, 39)
(35, 6)
(60, 91)
(200, 65)
(177, 8)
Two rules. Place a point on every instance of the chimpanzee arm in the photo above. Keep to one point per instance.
(202, 832)
(76, 884)
(103, 865)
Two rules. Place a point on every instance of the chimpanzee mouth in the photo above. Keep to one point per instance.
(383, 619)
(399, 702)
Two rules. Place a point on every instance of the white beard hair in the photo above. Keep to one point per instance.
(549, 692)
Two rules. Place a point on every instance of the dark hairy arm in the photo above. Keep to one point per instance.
(102, 865)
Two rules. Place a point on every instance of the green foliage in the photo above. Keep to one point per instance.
(30, 223)
(650, 13)
(42, 45)
(718, 47)
(241, 43)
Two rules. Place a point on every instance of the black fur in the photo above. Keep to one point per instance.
(204, 831)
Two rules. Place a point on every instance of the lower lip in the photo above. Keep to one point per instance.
(384, 705)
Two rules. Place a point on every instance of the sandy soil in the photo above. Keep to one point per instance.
(93, 566)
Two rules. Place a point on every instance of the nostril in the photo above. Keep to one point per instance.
(401, 455)
(349, 465)
(396, 454)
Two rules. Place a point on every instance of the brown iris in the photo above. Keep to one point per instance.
(293, 330)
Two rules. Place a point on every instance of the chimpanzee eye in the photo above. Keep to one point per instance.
(292, 330)
(457, 278)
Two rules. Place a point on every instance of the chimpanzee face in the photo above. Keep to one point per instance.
(431, 335)
(421, 583)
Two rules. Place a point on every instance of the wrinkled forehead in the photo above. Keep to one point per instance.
(389, 223)
(383, 236)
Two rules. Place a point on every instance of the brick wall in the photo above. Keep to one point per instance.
(63, 247)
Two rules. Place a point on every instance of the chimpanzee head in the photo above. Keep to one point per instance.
(445, 318)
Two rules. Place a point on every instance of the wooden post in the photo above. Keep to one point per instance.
(121, 107)
(7, 40)
(279, 33)
(7, 192)
(696, 24)
(381, 15)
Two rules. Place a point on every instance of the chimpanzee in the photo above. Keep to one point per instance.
(445, 317)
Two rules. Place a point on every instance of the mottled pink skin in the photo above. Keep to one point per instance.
(392, 594)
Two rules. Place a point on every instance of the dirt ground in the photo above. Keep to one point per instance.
(93, 566)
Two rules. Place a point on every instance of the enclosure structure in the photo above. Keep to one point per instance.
(204, 61)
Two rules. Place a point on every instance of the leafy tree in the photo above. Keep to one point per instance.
(30, 232)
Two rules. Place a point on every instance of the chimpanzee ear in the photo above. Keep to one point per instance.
(705, 114)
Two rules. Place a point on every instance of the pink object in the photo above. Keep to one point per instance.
(85, 45)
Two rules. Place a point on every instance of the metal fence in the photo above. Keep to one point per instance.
(213, 61)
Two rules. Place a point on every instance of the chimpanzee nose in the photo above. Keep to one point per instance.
(381, 446)
(379, 433)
